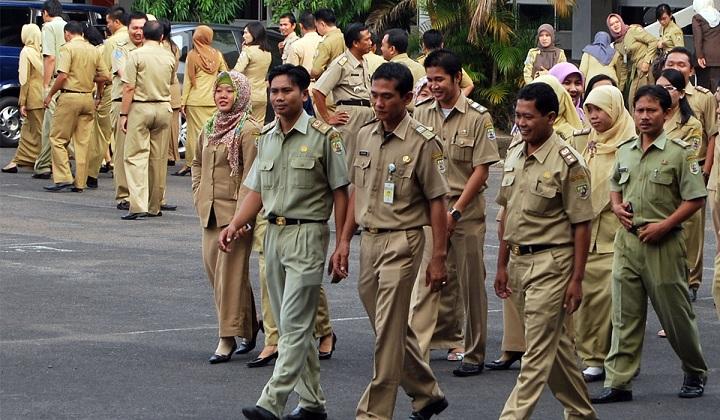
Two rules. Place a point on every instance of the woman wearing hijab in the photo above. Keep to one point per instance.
(573, 81)
(706, 36)
(637, 49)
(226, 151)
(201, 69)
(254, 62)
(611, 126)
(30, 74)
(540, 59)
(599, 57)
(671, 35)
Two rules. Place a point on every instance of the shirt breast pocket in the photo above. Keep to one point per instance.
(268, 177)
(461, 148)
(542, 199)
(661, 180)
(302, 171)
(405, 180)
(361, 171)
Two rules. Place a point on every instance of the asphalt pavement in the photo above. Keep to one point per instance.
(102, 318)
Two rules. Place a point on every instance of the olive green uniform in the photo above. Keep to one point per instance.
(544, 194)
(73, 118)
(655, 182)
(395, 176)
(123, 47)
(468, 137)
(296, 175)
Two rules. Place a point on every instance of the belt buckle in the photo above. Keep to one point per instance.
(280, 221)
(373, 230)
(515, 249)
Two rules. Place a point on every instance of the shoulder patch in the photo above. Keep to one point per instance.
(342, 60)
(583, 132)
(568, 156)
(336, 142)
(426, 132)
(476, 106)
(320, 125)
(702, 89)
(681, 143)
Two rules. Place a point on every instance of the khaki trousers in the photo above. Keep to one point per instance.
(389, 263)
(694, 232)
(659, 272)
(73, 119)
(43, 163)
(295, 262)
(195, 117)
(592, 321)
(119, 177)
(30, 138)
(359, 115)
(448, 332)
(539, 282)
(229, 277)
(102, 133)
(146, 155)
(173, 152)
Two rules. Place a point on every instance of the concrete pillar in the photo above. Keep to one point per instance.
(588, 18)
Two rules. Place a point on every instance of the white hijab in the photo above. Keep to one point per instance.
(706, 9)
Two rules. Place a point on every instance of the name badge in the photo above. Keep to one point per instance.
(389, 192)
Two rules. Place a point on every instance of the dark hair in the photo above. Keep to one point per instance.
(91, 34)
(118, 13)
(153, 30)
(136, 15)
(597, 78)
(397, 72)
(432, 39)
(657, 92)
(677, 80)
(325, 15)
(307, 20)
(297, 75)
(74, 28)
(445, 59)
(375, 39)
(352, 33)
(52, 7)
(167, 28)
(546, 100)
(288, 16)
(259, 34)
(682, 50)
(663, 9)
(398, 38)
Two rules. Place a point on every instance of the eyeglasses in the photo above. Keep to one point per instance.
(669, 88)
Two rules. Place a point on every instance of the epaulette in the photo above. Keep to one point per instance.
(476, 106)
(320, 125)
(374, 120)
(267, 127)
(121, 43)
(703, 89)
(681, 143)
(626, 141)
(515, 143)
(583, 132)
(342, 60)
(424, 101)
(568, 156)
(425, 132)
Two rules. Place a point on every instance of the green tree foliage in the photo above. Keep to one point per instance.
(206, 11)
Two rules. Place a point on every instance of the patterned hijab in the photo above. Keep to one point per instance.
(30, 55)
(202, 54)
(226, 127)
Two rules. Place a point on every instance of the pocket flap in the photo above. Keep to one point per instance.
(362, 162)
(508, 180)
(266, 165)
(662, 178)
(464, 141)
(543, 190)
(302, 163)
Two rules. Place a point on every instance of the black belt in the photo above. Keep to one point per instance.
(72, 91)
(150, 102)
(529, 249)
(117, 100)
(354, 102)
(377, 230)
(282, 221)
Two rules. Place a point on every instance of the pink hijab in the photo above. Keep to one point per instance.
(561, 71)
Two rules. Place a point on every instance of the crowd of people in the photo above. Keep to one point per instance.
(602, 195)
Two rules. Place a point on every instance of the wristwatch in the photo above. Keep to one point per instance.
(455, 213)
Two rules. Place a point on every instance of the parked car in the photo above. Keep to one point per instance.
(13, 15)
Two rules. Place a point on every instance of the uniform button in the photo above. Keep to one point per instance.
(369, 210)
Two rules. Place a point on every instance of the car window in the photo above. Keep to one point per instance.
(13, 18)
(183, 42)
(224, 41)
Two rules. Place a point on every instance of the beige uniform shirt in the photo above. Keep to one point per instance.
(111, 43)
(704, 106)
(532, 55)
(150, 69)
(175, 89)
(81, 62)
(331, 46)
(254, 63)
(466, 81)
(302, 51)
(691, 132)
(417, 69)
(32, 93)
(346, 77)
(373, 62)
(467, 136)
(296, 173)
(672, 36)
(396, 175)
(202, 94)
(637, 47)
(53, 37)
(289, 40)
(591, 67)
(119, 59)
(544, 193)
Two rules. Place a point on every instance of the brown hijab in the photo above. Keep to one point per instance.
(617, 36)
(202, 55)
(549, 55)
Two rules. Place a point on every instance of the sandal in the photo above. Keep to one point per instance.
(662, 334)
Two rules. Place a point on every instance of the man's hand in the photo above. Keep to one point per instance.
(227, 236)
(436, 274)
(644, 67)
(281, 45)
(338, 118)
(702, 62)
(451, 223)
(123, 123)
(502, 290)
(622, 213)
(23, 111)
(182, 111)
(338, 265)
(48, 99)
(660, 45)
(653, 232)
(573, 296)
(97, 103)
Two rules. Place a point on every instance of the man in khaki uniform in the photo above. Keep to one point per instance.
(125, 43)
(53, 37)
(145, 118)
(541, 262)
(397, 172)
(656, 185)
(432, 40)
(373, 59)
(297, 202)
(302, 51)
(704, 105)
(348, 79)
(394, 49)
(80, 68)
(332, 44)
(287, 26)
(467, 134)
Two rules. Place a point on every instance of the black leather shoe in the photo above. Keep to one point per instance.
(693, 294)
(76, 189)
(258, 413)
(246, 346)
(222, 358)
(123, 205)
(504, 364)
(693, 386)
(92, 182)
(133, 216)
(104, 169)
(427, 412)
(300, 413)
(158, 214)
(326, 355)
(44, 175)
(594, 378)
(262, 361)
(612, 395)
(12, 170)
(468, 369)
(168, 207)
(182, 172)
(171, 163)
(59, 187)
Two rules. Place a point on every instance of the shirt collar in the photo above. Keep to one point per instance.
(461, 105)
(659, 142)
(690, 89)
(291, 36)
(542, 152)
(400, 131)
(354, 62)
(400, 57)
(301, 126)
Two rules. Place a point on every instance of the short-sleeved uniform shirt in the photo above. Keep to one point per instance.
(254, 63)
(81, 62)
(544, 193)
(53, 37)
(123, 47)
(411, 159)
(346, 77)
(704, 106)
(295, 173)
(302, 51)
(691, 132)
(150, 69)
(417, 69)
(331, 46)
(657, 181)
(289, 40)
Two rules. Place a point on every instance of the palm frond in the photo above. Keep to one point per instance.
(389, 12)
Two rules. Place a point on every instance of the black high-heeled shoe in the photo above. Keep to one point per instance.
(182, 172)
(262, 361)
(504, 364)
(248, 346)
(326, 355)
(222, 358)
